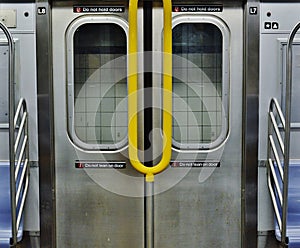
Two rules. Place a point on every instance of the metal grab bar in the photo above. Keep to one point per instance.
(288, 100)
(284, 145)
(19, 171)
(274, 164)
(167, 92)
(11, 97)
(21, 150)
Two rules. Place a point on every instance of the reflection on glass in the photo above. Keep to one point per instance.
(197, 83)
(100, 84)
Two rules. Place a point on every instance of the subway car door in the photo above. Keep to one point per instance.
(99, 196)
(196, 200)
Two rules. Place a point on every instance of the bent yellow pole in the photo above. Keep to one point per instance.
(133, 96)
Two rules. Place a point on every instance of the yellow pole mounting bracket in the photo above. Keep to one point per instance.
(133, 87)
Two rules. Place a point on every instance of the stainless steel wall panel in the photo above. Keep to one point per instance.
(250, 124)
(25, 69)
(45, 127)
(273, 42)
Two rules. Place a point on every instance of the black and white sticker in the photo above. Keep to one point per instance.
(98, 9)
(41, 11)
(197, 8)
(184, 164)
(95, 165)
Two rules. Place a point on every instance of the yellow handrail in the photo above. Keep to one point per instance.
(167, 92)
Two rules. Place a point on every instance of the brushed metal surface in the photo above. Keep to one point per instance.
(202, 207)
(198, 207)
(95, 207)
(250, 125)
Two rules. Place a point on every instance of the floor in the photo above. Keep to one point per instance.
(30, 240)
(265, 240)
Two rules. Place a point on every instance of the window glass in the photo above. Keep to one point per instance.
(198, 116)
(100, 85)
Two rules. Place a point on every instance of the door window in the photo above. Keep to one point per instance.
(199, 86)
(98, 89)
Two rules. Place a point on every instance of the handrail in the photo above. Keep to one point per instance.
(11, 97)
(288, 100)
(274, 165)
(21, 150)
(18, 171)
(274, 104)
(284, 145)
(167, 93)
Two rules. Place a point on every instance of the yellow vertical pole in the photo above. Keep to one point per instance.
(167, 92)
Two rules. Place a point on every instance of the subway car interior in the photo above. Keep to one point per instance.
(151, 123)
